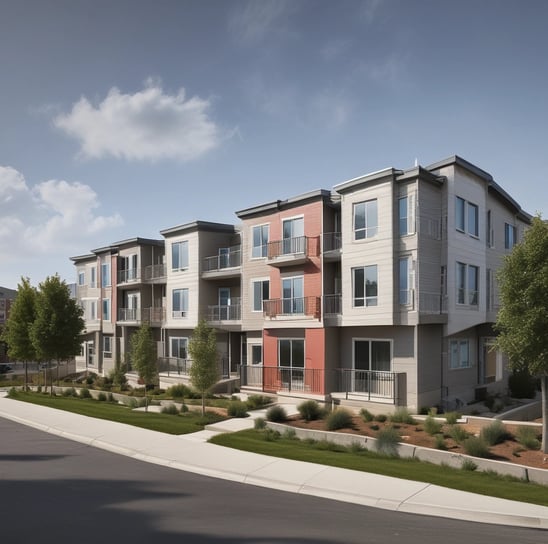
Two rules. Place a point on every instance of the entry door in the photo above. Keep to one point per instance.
(293, 233)
(292, 295)
(224, 303)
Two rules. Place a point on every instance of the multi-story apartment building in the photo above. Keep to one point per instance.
(380, 290)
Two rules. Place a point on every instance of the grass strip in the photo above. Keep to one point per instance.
(320, 452)
(188, 422)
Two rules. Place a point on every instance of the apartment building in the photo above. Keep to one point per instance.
(382, 290)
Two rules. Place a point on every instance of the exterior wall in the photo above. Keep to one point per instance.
(429, 373)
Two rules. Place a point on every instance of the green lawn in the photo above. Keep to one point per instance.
(323, 453)
(189, 422)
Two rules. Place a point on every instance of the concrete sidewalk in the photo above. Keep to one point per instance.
(191, 453)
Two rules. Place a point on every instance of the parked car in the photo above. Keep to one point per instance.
(4, 368)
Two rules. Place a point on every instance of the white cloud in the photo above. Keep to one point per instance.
(369, 10)
(147, 125)
(52, 218)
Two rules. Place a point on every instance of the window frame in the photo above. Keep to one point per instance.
(510, 236)
(368, 300)
(254, 284)
(464, 291)
(370, 342)
(185, 347)
(81, 278)
(263, 246)
(465, 211)
(105, 310)
(369, 230)
(291, 352)
(107, 353)
(406, 300)
(459, 363)
(182, 255)
(407, 220)
(183, 300)
(106, 280)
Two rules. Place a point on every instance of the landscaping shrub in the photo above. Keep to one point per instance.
(276, 414)
(402, 415)
(290, 434)
(84, 393)
(259, 423)
(69, 392)
(341, 418)
(374, 427)
(366, 415)
(387, 442)
(270, 435)
(237, 408)
(468, 464)
(452, 417)
(528, 438)
(495, 433)
(184, 408)
(170, 409)
(439, 442)
(178, 391)
(310, 410)
(431, 426)
(381, 418)
(101, 396)
(255, 402)
(356, 447)
(475, 446)
(458, 433)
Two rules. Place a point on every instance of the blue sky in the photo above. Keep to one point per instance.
(121, 118)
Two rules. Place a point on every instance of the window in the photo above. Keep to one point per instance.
(106, 309)
(180, 302)
(179, 255)
(373, 355)
(105, 275)
(365, 286)
(406, 209)
(466, 217)
(256, 354)
(260, 241)
(261, 292)
(178, 347)
(490, 233)
(467, 284)
(293, 236)
(93, 310)
(291, 353)
(509, 236)
(459, 354)
(81, 278)
(406, 281)
(365, 220)
(107, 347)
(128, 268)
(292, 295)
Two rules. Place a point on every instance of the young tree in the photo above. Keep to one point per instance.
(144, 356)
(16, 333)
(204, 371)
(57, 329)
(522, 321)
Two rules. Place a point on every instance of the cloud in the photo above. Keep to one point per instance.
(148, 125)
(369, 10)
(54, 217)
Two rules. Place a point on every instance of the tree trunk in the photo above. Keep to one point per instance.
(26, 388)
(544, 389)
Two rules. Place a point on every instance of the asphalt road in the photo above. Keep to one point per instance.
(54, 490)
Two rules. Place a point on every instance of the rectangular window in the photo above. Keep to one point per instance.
(293, 295)
(261, 292)
(293, 236)
(509, 236)
(489, 232)
(106, 309)
(406, 281)
(180, 303)
(93, 310)
(256, 354)
(178, 347)
(128, 268)
(260, 241)
(467, 277)
(459, 354)
(81, 278)
(365, 286)
(179, 255)
(365, 220)
(105, 275)
(372, 355)
(466, 217)
(107, 347)
(291, 353)
(406, 210)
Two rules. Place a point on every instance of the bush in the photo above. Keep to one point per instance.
(381, 418)
(237, 408)
(356, 447)
(84, 393)
(270, 435)
(366, 415)
(374, 427)
(276, 414)
(475, 446)
(452, 417)
(102, 396)
(339, 419)
(255, 402)
(468, 464)
(495, 433)
(170, 409)
(310, 410)
(522, 385)
(431, 426)
(290, 434)
(439, 442)
(387, 442)
(528, 438)
(458, 434)
(259, 423)
(184, 408)
(69, 392)
(402, 415)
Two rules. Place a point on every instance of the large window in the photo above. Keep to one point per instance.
(107, 347)
(365, 287)
(105, 275)
(374, 355)
(106, 309)
(180, 303)
(178, 347)
(256, 354)
(128, 268)
(365, 219)
(466, 217)
(509, 236)
(293, 236)
(406, 281)
(459, 354)
(293, 295)
(179, 255)
(81, 278)
(291, 353)
(260, 241)
(406, 209)
(261, 292)
(467, 284)
(93, 310)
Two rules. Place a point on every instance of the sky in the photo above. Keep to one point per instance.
(122, 118)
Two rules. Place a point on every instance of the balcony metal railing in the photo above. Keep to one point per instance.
(139, 315)
(283, 378)
(181, 367)
(371, 384)
(232, 258)
(129, 275)
(229, 312)
(155, 271)
(288, 246)
(332, 241)
(432, 303)
(307, 306)
(332, 304)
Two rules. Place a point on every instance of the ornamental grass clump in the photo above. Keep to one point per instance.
(237, 408)
(402, 415)
(452, 417)
(431, 426)
(476, 447)
(310, 410)
(276, 414)
(170, 409)
(495, 433)
(387, 442)
(366, 415)
(341, 418)
(528, 437)
(458, 433)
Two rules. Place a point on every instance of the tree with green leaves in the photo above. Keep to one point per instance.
(56, 332)
(204, 370)
(16, 333)
(143, 356)
(522, 321)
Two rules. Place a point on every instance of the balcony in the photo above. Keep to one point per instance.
(283, 378)
(369, 385)
(224, 265)
(432, 303)
(332, 310)
(154, 316)
(131, 275)
(155, 273)
(308, 307)
(332, 246)
(231, 313)
(292, 251)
